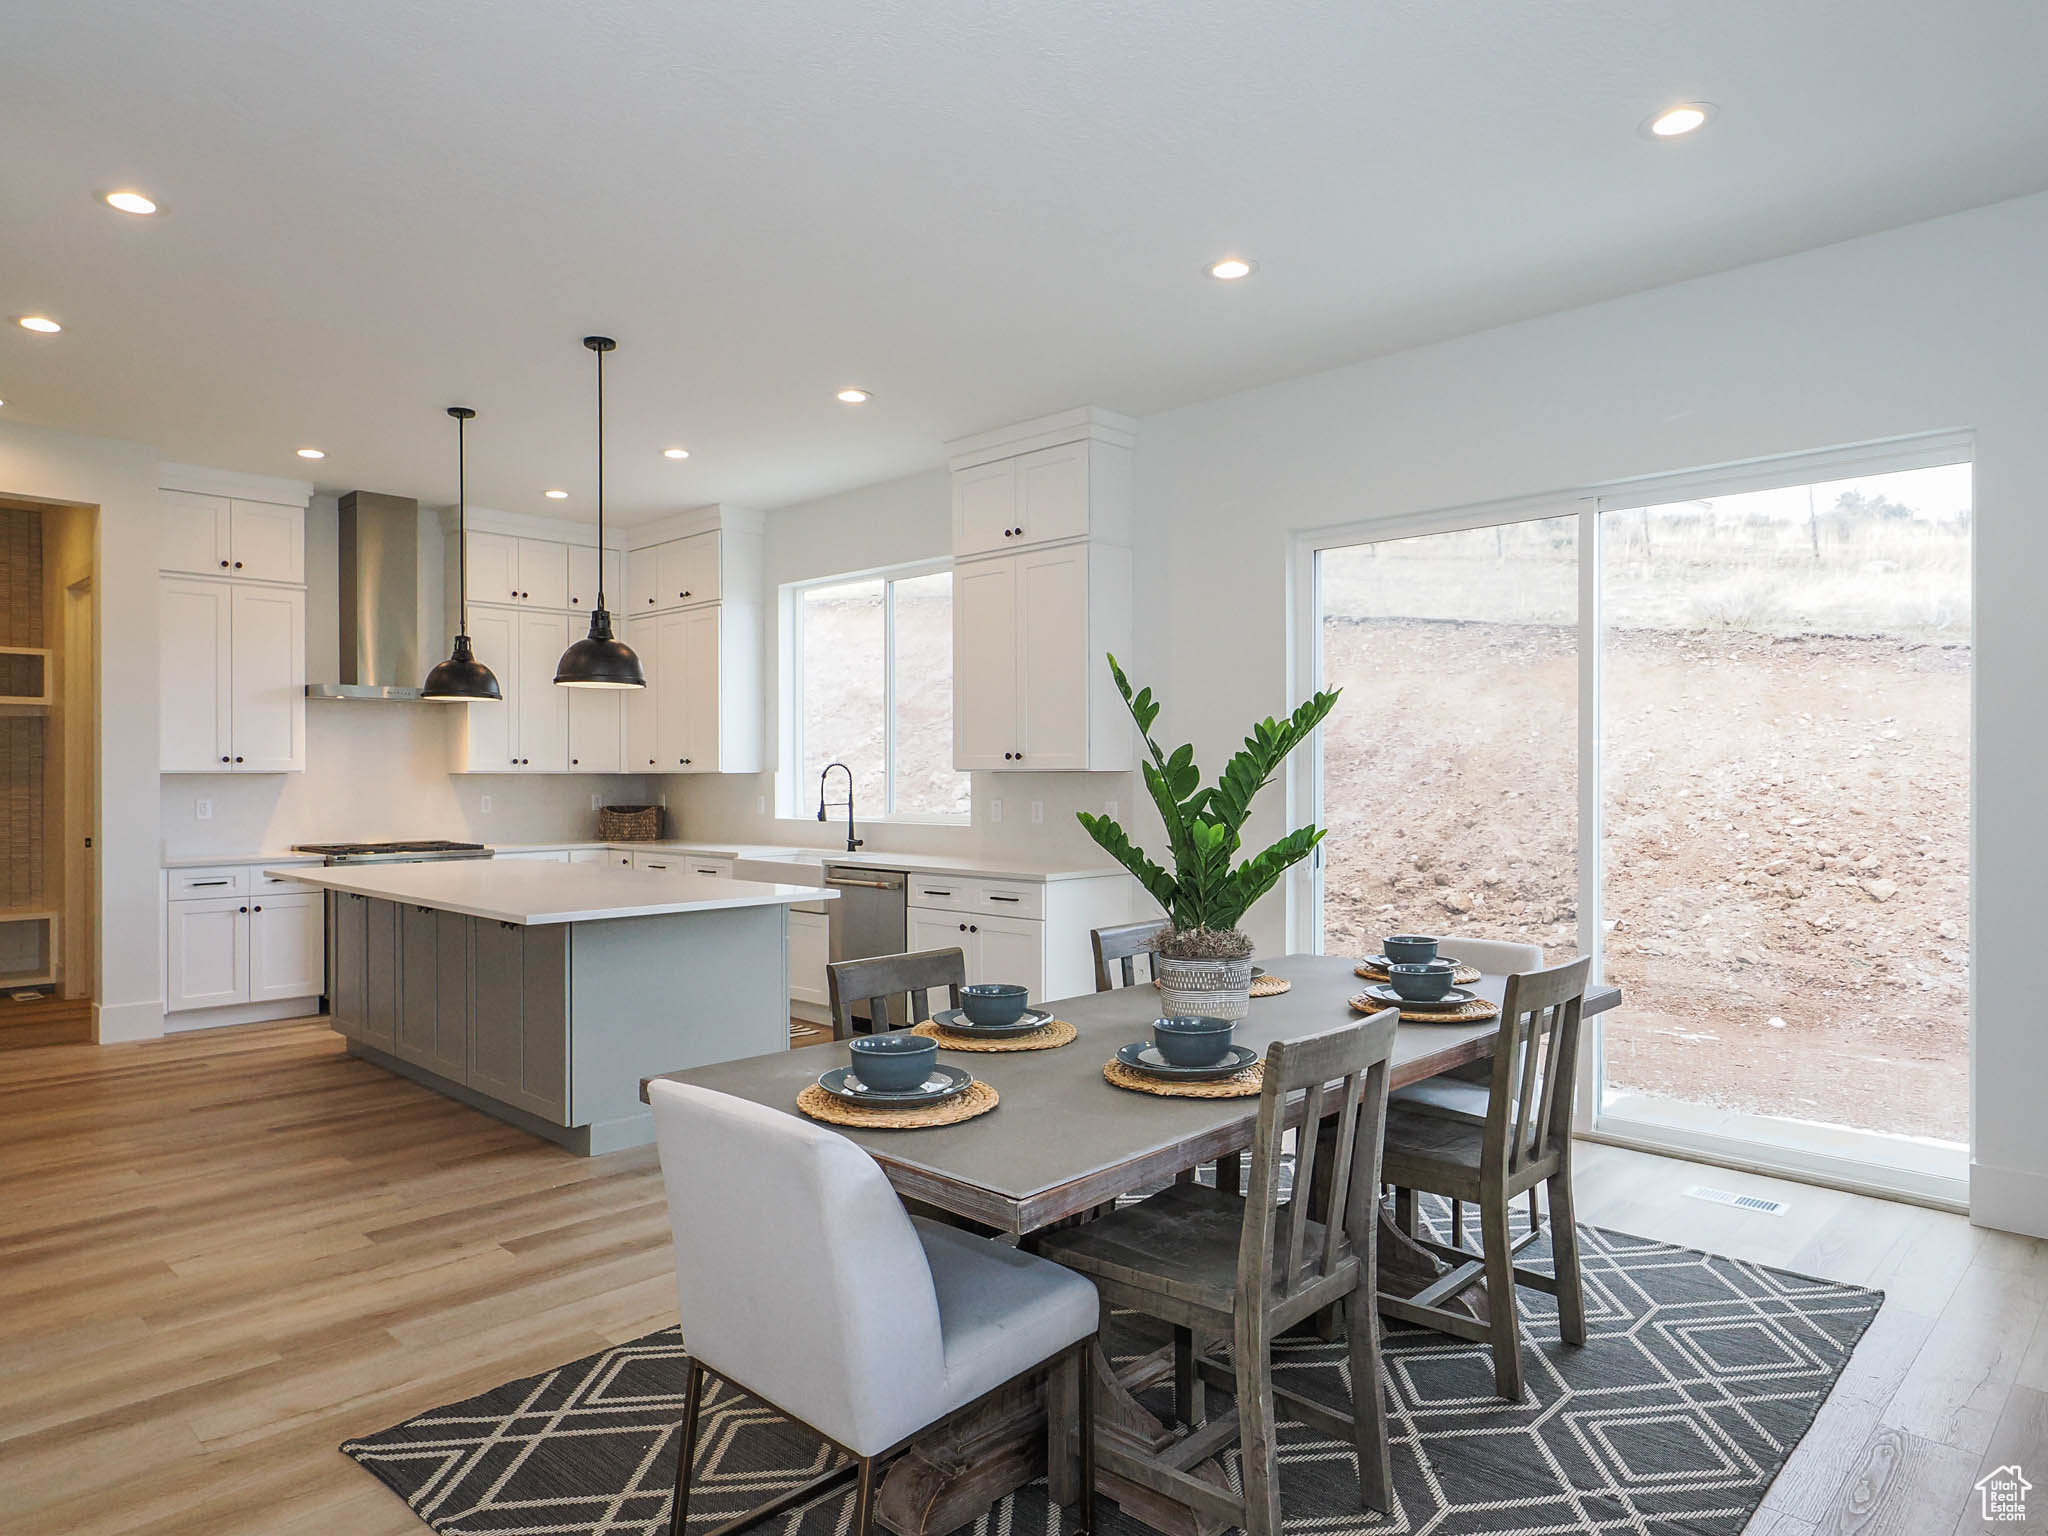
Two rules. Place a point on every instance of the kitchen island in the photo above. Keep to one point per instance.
(543, 993)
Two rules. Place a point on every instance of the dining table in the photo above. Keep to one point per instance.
(1062, 1142)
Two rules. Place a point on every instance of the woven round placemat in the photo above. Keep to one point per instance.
(1269, 986)
(1478, 1011)
(1239, 1085)
(814, 1101)
(1463, 976)
(1048, 1037)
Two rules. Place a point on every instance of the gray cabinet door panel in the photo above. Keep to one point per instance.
(347, 1003)
(519, 1028)
(544, 1059)
(451, 1035)
(418, 985)
(494, 1025)
(380, 951)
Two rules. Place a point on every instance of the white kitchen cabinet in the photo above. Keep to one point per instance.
(706, 864)
(207, 953)
(587, 855)
(597, 738)
(700, 710)
(643, 713)
(227, 536)
(1034, 498)
(287, 947)
(993, 948)
(674, 573)
(267, 673)
(533, 573)
(583, 579)
(658, 862)
(1032, 689)
(491, 735)
(810, 951)
(984, 507)
(538, 856)
(537, 726)
(195, 626)
(231, 677)
(620, 858)
(493, 568)
(543, 720)
(543, 573)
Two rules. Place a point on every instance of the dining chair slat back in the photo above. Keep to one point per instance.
(880, 980)
(1535, 1065)
(1123, 944)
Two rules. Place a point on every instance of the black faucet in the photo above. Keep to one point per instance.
(852, 843)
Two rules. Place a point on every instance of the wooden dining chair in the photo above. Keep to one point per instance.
(1124, 944)
(1248, 1267)
(878, 980)
(1525, 1140)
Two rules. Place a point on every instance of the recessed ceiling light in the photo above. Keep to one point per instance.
(130, 202)
(853, 396)
(1230, 269)
(312, 453)
(1675, 122)
(41, 323)
(556, 495)
(675, 453)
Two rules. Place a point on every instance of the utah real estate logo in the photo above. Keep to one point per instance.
(2003, 1492)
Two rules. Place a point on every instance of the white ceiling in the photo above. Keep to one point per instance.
(378, 208)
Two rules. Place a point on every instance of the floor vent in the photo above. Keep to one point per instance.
(1741, 1202)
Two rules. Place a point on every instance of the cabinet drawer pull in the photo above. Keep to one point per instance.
(937, 893)
(1006, 898)
(197, 883)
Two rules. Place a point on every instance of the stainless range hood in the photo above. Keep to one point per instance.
(379, 549)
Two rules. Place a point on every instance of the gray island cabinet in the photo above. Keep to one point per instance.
(544, 993)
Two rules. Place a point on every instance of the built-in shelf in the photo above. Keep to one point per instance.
(24, 680)
(28, 947)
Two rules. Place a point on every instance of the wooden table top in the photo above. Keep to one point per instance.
(1063, 1139)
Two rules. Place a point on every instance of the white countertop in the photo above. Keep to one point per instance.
(208, 860)
(534, 894)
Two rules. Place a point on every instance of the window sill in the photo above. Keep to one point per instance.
(963, 822)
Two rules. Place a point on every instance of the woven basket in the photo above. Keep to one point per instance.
(1211, 989)
(629, 824)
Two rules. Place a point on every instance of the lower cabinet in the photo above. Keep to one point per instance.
(519, 1025)
(222, 950)
(1008, 949)
(473, 1000)
(810, 950)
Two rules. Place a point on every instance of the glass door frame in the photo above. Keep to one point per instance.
(1304, 885)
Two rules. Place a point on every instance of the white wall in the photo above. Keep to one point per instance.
(893, 523)
(1941, 325)
(120, 479)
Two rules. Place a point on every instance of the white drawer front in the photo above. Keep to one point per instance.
(944, 893)
(215, 880)
(278, 885)
(1011, 898)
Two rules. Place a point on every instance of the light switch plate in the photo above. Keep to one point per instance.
(485, 805)
(1037, 812)
(995, 813)
(597, 802)
(202, 808)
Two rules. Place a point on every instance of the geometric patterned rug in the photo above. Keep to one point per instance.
(1699, 1376)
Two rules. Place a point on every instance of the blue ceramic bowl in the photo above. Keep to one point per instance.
(895, 1062)
(1409, 948)
(994, 1003)
(1192, 1042)
(1421, 983)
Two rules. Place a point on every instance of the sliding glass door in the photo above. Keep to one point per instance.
(1721, 740)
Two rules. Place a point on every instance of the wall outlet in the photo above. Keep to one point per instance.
(1109, 809)
(597, 802)
(995, 813)
(202, 808)
(484, 805)
(1037, 813)
(760, 805)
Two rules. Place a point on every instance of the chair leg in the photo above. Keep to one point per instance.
(1062, 1394)
(686, 1452)
(1457, 1223)
(1256, 1424)
(1368, 1401)
(1404, 1211)
(1564, 1255)
(1535, 1220)
(1229, 1173)
(864, 1499)
(1503, 1321)
(1189, 1399)
(1086, 1354)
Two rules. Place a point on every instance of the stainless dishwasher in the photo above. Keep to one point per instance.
(870, 917)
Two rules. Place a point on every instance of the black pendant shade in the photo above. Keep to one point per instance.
(599, 660)
(461, 678)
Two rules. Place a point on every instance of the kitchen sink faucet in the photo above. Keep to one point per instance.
(852, 843)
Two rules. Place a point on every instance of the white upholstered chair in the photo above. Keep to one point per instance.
(804, 1283)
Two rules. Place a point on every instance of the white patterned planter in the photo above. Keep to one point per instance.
(1205, 989)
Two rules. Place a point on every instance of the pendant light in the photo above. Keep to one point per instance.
(597, 660)
(461, 678)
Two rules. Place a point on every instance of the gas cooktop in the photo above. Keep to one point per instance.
(393, 853)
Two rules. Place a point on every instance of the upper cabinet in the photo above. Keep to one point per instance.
(231, 621)
(247, 540)
(533, 573)
(1041, 591)
(583, 588)
(674, 573)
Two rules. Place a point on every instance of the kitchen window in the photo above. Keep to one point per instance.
(870, 684)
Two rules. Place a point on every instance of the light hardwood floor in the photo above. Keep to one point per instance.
(223, 1254)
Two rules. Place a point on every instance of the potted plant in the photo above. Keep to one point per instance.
(1202, 959)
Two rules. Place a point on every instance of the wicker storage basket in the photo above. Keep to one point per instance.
(629, 823)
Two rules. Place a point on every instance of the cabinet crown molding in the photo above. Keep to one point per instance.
(525, 525)
(1086, 423)
(232, 483)
(706, 519)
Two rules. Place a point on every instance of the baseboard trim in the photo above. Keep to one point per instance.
(114, 1023)
(240, 1013)
(2009, 1199)
(1748, 1157)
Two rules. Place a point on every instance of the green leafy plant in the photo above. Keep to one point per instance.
(1205, 890)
